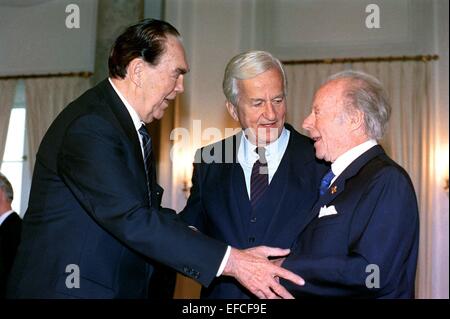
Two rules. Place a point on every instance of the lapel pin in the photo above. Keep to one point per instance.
(333, 189)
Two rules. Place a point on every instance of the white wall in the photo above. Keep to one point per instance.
(153, 9)
(34, 38)
(294, 29)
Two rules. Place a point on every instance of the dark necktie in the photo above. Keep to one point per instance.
(325, 183)
(147, 146)
(259, 180)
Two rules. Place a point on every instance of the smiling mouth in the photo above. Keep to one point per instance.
(268, 125)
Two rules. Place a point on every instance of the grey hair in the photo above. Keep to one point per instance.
(5, 185)
(248, 65)
(365, 93)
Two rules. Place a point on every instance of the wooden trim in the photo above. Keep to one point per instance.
(50, 75)
(423, 58)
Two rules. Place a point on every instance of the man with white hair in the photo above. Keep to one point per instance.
(361, 239)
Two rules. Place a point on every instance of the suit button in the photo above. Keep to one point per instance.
(253, 220)
(251, 240)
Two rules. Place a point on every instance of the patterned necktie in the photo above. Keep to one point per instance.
(147, 146)
(325, 182)
(259, 180)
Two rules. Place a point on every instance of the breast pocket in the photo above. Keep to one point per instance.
(328, 220)
(329, 236)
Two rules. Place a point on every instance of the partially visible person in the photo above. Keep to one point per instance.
(361, 238)
(10, 227)
(95, 227)
(263, 183)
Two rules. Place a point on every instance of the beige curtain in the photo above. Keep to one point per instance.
(410, 141)
(46, 97)
(7, 92)
(303, 81)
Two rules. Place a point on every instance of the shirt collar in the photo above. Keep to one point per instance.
(134, 116)
(273, 151)
(5, 215)
(343, 161)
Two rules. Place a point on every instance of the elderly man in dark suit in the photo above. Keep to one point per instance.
(94, 227)
(362, 235)
(10, 227)
(256, 187)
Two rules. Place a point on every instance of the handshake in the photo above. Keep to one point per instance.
(252, 268)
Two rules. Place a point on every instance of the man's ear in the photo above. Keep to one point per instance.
(135, 71)
(357, 120)
(232, 110)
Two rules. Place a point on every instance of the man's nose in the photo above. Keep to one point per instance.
(179, 87)
(269, 111)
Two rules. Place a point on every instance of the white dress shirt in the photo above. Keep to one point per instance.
(137, 125)
(343, 161)
(134, 116)
(5, 215)
(274, 154)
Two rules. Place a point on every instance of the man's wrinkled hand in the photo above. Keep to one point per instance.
(252, 268)
(278, 262)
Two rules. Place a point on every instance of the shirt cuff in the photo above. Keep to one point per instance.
(224, 262)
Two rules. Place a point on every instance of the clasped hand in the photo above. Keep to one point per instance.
(252, 268)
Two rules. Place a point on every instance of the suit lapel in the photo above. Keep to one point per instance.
(239, 189)
(296, 184)
(237, 182)
(338, 185)
(123, 117)
(126, 124)
(294, 189)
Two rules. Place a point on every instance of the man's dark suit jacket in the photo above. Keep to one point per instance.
(219, 204)
(377, 223)
(9, 240)
(89, 207)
